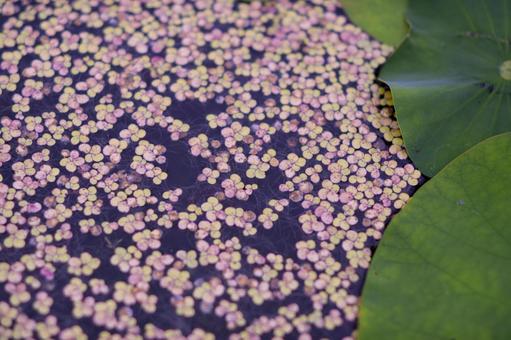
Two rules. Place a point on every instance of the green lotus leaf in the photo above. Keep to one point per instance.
(383, 19)
(443, 268)
(451, 79)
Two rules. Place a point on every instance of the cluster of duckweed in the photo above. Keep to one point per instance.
(190, 169)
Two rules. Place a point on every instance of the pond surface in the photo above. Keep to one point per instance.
(205, 169)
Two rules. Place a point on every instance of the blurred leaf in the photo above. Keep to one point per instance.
(383, 19)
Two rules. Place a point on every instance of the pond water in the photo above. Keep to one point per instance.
(205, 169)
